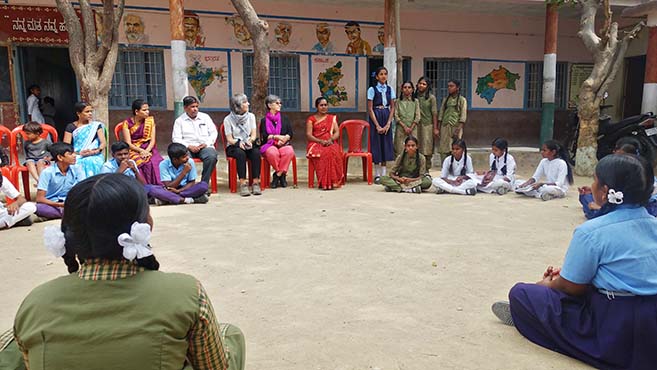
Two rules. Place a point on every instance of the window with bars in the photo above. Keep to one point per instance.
(139, 74)
(440, 71)
(283, 79)
(534, 94)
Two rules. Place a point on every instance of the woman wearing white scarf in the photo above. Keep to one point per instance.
(240, 130)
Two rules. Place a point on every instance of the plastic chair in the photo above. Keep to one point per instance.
(117, 131)
(20, 169)
(213, 176)
(6, 133)
(265, 178)
(355, 129)
(232, 165)
(8, 172)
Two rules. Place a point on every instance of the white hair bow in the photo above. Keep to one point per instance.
(135, 244)
(53, 239)
(615, 197)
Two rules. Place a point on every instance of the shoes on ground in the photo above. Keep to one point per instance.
(377, 180)
(388, 189)
(27, 221)
(244, 190)
(283, 180)
(275, 181)
(501, 190)
(256, 189)
(202, 199)
(417, 189)
(547, 196)
(502, 310)
(471, 191)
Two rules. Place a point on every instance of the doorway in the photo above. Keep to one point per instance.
(635, 69)
(50, 68)
(375, 62)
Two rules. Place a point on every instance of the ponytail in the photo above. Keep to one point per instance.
(562, 153)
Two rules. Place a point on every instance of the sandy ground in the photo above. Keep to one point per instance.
(350, 279)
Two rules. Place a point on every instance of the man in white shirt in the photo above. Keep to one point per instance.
(33, 110)
(197, 132)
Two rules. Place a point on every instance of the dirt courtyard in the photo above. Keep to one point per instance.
(350, 279)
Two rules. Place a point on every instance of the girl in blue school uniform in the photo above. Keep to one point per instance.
(601, 306)
(627, 145)
(381, 110)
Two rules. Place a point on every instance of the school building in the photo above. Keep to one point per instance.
(324, 47)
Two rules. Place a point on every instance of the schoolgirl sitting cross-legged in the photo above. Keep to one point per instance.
(457, 175)
(600, 307)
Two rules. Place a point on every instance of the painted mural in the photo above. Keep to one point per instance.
(324, 44)
(240, 32)
(194, 36)
(356, 44)
(380, 34)
(335, 80)
(498, 84)
(207, 75)
(134, 28)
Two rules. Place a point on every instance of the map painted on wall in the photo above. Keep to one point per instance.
(201, 76)
(497, 79)
(329, 85)
(498, 84)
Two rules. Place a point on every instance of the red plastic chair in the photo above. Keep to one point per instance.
(232, 165)
(6, 133)
(355, 129)
(8, 172)
(117, 131)
(265, 178)
(20, 169)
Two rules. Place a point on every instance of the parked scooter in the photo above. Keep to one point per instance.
(641, 127)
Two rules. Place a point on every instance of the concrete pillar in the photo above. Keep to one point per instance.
(389, 43)
(178, 58)
(549, 72)
(649, 102)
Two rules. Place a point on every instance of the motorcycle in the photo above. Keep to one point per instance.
(642, 127)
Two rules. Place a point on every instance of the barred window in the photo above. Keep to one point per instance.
(284, 78)
(534, 94)
(440, 71)
(138, 74)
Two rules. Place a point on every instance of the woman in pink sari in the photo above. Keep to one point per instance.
(326, 155)
(139, 134)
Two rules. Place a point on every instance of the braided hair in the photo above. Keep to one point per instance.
(502, 144)
(458, 96)
(562, 153)
(461, 144)
(412, 138)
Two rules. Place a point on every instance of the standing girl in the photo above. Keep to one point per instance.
(557, 172)
(88, 139)
(600, 307)
(457, 175)
(381, 109)
(408, 174)
(451, 118)
(407, 116)
(502, 172)
(428, 118)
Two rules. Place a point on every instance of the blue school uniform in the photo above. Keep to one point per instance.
(56, 184)
(169, 173)
(613, 325)
(381, 97)
(112, 166)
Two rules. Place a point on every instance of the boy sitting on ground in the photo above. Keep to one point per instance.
(178, 175)
(56, 180)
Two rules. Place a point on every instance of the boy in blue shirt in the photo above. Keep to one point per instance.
(178, 175)
(121, 163)
(56, 181)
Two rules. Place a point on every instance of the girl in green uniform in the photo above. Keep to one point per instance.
(451, 118)
(408, 174)
(428, 118)
(407, 116)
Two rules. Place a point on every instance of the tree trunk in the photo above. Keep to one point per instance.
(608, 51)
(258, 29)
(93, 61)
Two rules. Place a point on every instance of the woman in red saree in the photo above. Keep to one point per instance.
(139, 134)
(326, 155)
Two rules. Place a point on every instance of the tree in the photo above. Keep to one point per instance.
(258, 29)
(608, 52)
(93, 57)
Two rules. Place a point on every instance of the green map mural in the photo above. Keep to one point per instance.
(201, 77)
(497, 79)
(329, 85)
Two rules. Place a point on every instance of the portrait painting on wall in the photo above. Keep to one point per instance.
(356, 45)
(134, 29)
(240, 32)
(380, 34)
(193, 31)
(324, 44)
